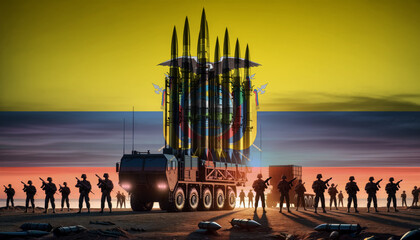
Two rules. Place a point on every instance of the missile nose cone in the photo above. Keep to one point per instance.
(186, 40)
(174, 45)
(226, 44)
(247, 57)
(244, 223)
(237, 55)
(321, 227)
(217, 51)
(210, 226)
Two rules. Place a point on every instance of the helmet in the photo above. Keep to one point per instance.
(371, 178)
(29, 182)
(259, 175)
(83, 175)
(415, 187)
(10, 185)
(283, 177)
(319, 175)
(106, 175)
(351, 178)
(332, 185)
(391, 179)
(49, 179)
(65, 183)
(300, 180)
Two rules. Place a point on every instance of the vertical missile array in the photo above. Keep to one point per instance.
(210, 120)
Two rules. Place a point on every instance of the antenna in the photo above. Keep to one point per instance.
(261, 147)
(123, 136)
(132, 148)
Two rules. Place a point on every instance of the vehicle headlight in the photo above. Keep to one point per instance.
(162, 186)
(126, 186)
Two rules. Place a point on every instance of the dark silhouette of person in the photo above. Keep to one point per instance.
(340, 199)
(50, 189)
(371, 189)
(123, 199)
(300, 192)
(284, 187)
(84, 190)
(319, 187)
(391, 189)
(404, 199)
(415, 193)
(332, 191)
(10, 192)
(259, 188)
(250, 198)
(65, 192)
(119, 199)
(352, 189)
(242, 198)
(106, 187)
(30, 191)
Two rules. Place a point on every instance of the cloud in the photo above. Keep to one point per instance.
(306, 101)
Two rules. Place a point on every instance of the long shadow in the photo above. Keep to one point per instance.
(263, 220)
(405, 217)
(301, 220)
(323, 217)
(224, 215)
(382, 220)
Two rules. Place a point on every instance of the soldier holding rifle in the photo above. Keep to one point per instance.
(352, 189)
(65, 192)
(106, 187)
(84, 189)
(50, 189)
(284, 187)
(30, 193)
(300, 191)
(319, 187)
(332, 191)
(259, 187)
(371, 189)
(10, 192)
(391, 189)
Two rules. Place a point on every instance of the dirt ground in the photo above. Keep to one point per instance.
(183, 225)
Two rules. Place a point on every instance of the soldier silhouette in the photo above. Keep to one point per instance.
(50, 189)
(391, 189)
(65, 192)
(84, 189)
(106, 187)
(371, 189)
(242, 198)
(332, 191)
(119, 199)
(10, 192)
(404, 199)
(284, 187)
(300, 192)
(123, 199)
(259, 188)
(319, 187)
(352, 189)
(30, 191)
(250, 198)
(415, 193)
(340, 199)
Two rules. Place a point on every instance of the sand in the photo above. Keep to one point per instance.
(183, 225)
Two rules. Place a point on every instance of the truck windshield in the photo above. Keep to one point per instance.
(154, 164)
(131, 164)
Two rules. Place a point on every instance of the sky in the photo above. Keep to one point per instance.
(102, 55)
(310, 139)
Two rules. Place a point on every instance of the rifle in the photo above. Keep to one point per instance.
(61, 188)
(265, 182)
(103, 183)
(291, 181)
(44, 185)
(24, 185)
(5, 188)
(84, 186)
(326, 181)
(377, 183)
(398, 183)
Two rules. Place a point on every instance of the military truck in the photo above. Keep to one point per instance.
(276, 172)
(179, 184)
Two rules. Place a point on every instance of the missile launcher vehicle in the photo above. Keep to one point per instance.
(209, 125)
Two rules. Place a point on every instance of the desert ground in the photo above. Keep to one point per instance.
(158, 224)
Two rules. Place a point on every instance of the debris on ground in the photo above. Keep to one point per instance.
(102, 223)
(69, 230)
(244, 223)
(36, 226)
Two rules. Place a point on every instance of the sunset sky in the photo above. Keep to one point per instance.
(343, 82)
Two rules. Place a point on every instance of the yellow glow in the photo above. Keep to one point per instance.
(103, 55)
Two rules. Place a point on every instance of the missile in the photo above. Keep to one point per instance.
(63, 231)
(244, 223)
(216, 87)
(36, 226)
(187, 75)
(209, 226)
(247, 86)
(411, 235)
(174, 99)
(236, 90)
(226, 99)
(341, 228)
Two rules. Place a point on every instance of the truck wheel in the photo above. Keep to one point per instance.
(136, 204)
(219, 199)
(207, 200)
(230, 199)
(193, 199)
(148, 206)
(179, 199)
